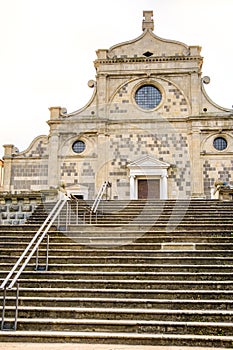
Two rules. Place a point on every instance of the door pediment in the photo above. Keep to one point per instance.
(148, 162)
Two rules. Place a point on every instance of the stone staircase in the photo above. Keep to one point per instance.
(144, 272)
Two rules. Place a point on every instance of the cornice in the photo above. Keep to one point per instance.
(214, 115)
(148, 59)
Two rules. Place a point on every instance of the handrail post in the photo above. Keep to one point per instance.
(77, 208)
(58, 220)
(70, 212)
(47, 254)
(66, 219)
(3, 308)
(16, 306)
(37, 259)
(69, 205)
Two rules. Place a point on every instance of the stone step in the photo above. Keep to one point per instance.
(149, 202)
(118, 230)
(70, 237)
(20, 228)
(135, 210)
(152, 206)
(129, 303)
(144, 214)
(121, 293)
(105, 313)
(112, 207)
(168, 203)
(117, 338)
(223, 229)
(74, 257)
(143, 218)
(139, 219)
(157, 227)
(165, 226)
(149, 214)
(121, 273)
(126, 284)
(161, 242)
(130, 254)
(134, 263)
(138, 326)
(110, 246)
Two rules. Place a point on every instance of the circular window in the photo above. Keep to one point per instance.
(148, 97)
(220, 143)
(78, 146)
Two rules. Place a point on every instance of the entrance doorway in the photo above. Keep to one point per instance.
(148, 189)
(78, 196)
(148, 178)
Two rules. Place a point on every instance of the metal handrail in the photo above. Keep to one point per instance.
(99, 196)
(60, 203)
(44, 228)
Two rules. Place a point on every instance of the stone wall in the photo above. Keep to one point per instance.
(216, 169)
(15, 209)
(29, 175)
(171, 148)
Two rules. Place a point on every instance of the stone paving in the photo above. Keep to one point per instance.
(64, 346)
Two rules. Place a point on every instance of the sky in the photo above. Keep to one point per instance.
(47, 49)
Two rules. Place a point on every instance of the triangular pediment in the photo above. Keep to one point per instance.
(76, 187)
(148, 162)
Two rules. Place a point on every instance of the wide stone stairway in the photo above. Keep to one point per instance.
(138, 272)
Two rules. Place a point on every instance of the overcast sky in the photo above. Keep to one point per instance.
(47, 49)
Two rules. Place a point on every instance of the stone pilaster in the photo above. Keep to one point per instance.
(7, 167)
(53, 177)
(196, 170)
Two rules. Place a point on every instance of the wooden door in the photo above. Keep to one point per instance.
(149, 189)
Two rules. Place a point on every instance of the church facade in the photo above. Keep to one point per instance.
(149, 129)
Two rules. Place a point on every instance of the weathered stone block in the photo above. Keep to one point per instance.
(26, 200)
(26, 207)
(15, 222)
(20, 216)
(14, 207)
(3, 208)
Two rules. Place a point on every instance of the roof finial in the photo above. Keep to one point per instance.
(148, 22)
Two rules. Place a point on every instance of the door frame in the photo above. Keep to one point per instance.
(148, 168)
